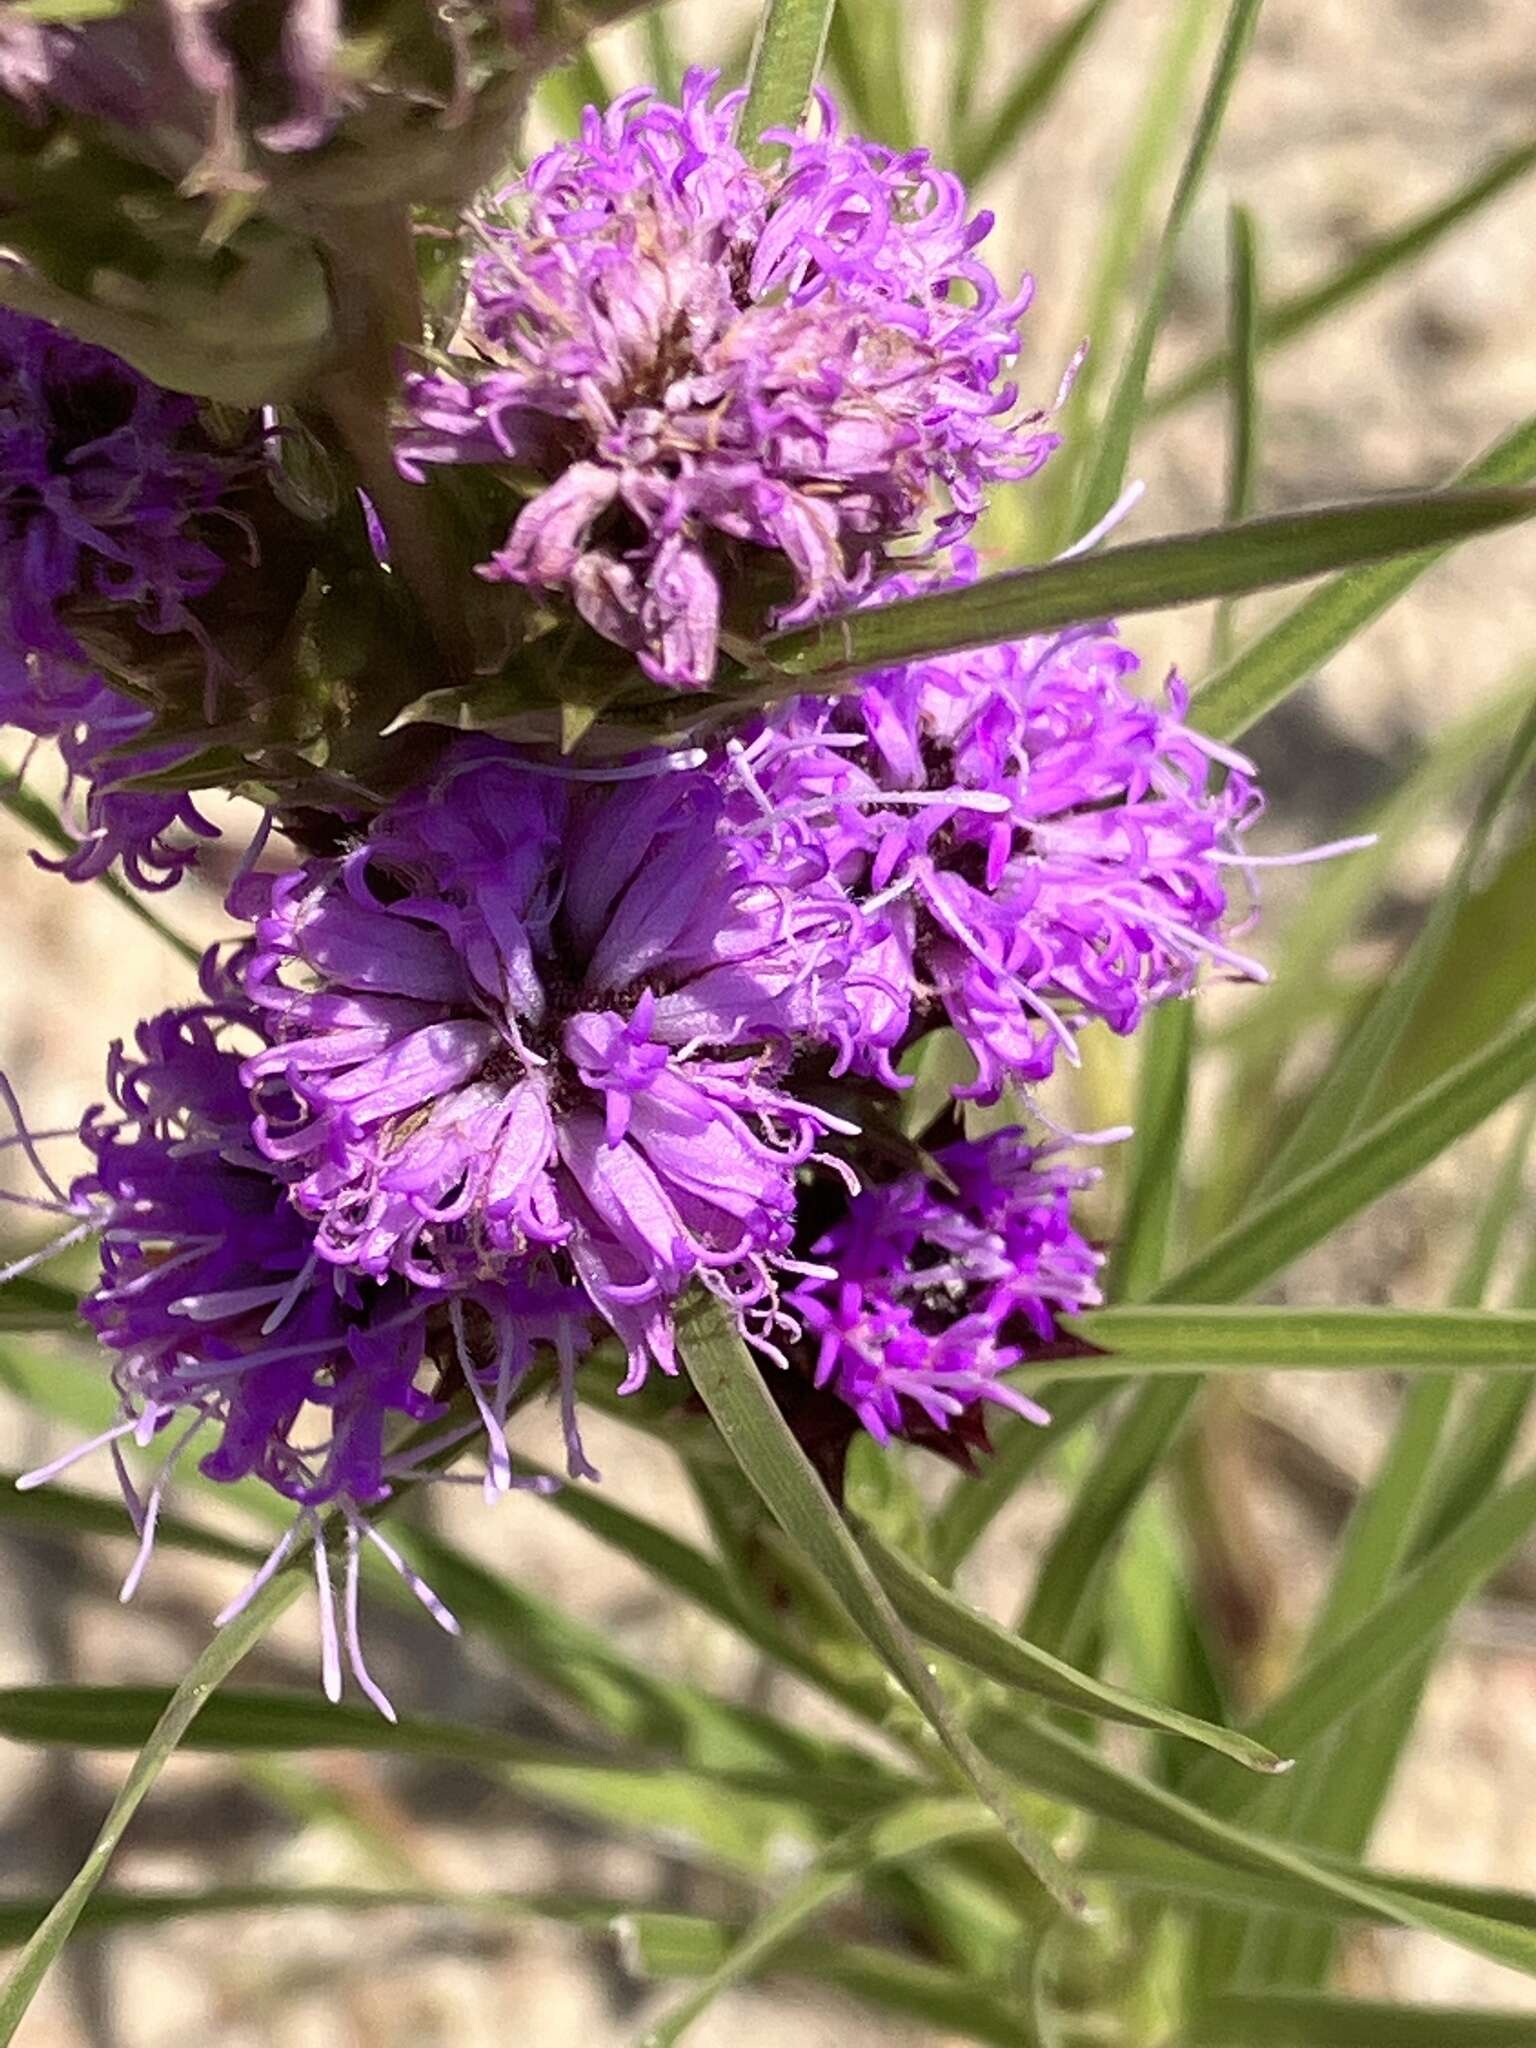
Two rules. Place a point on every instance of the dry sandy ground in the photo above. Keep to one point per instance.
(1348, 119)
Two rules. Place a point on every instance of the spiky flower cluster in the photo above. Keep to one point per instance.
(727, 387)
(112, 501)
(1031, 846)
(519, 1050)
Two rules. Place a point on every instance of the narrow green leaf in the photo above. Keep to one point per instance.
(1289, 317)
(970, 48)
(1153, 575)
(1140, 1252)
(1173, 1338)
(1346, 1673)
(978, 153)
(1297, 645)
(1278, 2019)
(1242, 383)
(81, 1514)
(913, 1830)
(43, 823)
(1351, 1089)
(791, 41)
(867, 50)
(222, 1655)
(1304, 1212)
(1112, 443)
(666, 71)
(731, 1387)
(949, 1624)
(1062, 1768)
(28, 1303)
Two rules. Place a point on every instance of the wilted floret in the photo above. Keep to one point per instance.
(110, 500)
(1031, 846)
(727, 391)
(938, 1292)
(531, 1019)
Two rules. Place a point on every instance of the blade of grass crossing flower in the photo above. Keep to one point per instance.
(1282, 547)
(228, 1647)
(866, 49)
(1146, 1224)
(43, 823)
(1287, 653)
(1303, 2020)
(81, 1514)
(1112, 443)
(728, 1381)
(914, 1830)
(791, 42)
(939, 1618)
(1242, 395)
(1289, 317)
(1352, 1086)
(979, 150)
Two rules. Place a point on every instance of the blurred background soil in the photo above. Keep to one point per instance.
(1348, 119)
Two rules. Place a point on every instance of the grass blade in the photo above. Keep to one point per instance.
(866, 50)
(1153, 575)
(1352, 1086)
(1112, 442)
(731, 1387)
(1287, 653)
(27, 1303)
(1307, 2020)
(222, 1655)
(1411, 1615)
(666, 71)
(1166, 1338)
(914, 1830)
(939, 1618)
(791, 42)
(1242, 393)
(970, 48)
(1290, 317)
(1140, 1253)
(1030, 94)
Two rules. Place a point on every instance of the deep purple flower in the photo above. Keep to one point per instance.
(533, 1018)
(231, 1338)
(111, 498)
(1031, 846)
(725, 386)
(939, 1292)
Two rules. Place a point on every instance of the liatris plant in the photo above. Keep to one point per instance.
(719, 928)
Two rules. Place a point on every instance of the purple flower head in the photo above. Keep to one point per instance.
(731, 388)
(938, 1293)
(231, 1338)
(1031, 846)
(109, 496)
(536, 1019)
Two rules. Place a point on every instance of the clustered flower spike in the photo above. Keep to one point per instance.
(1030, 845)
(230, 1336)
(727, 389)
(109, 497)
(532, 1023)
(935, 1293)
